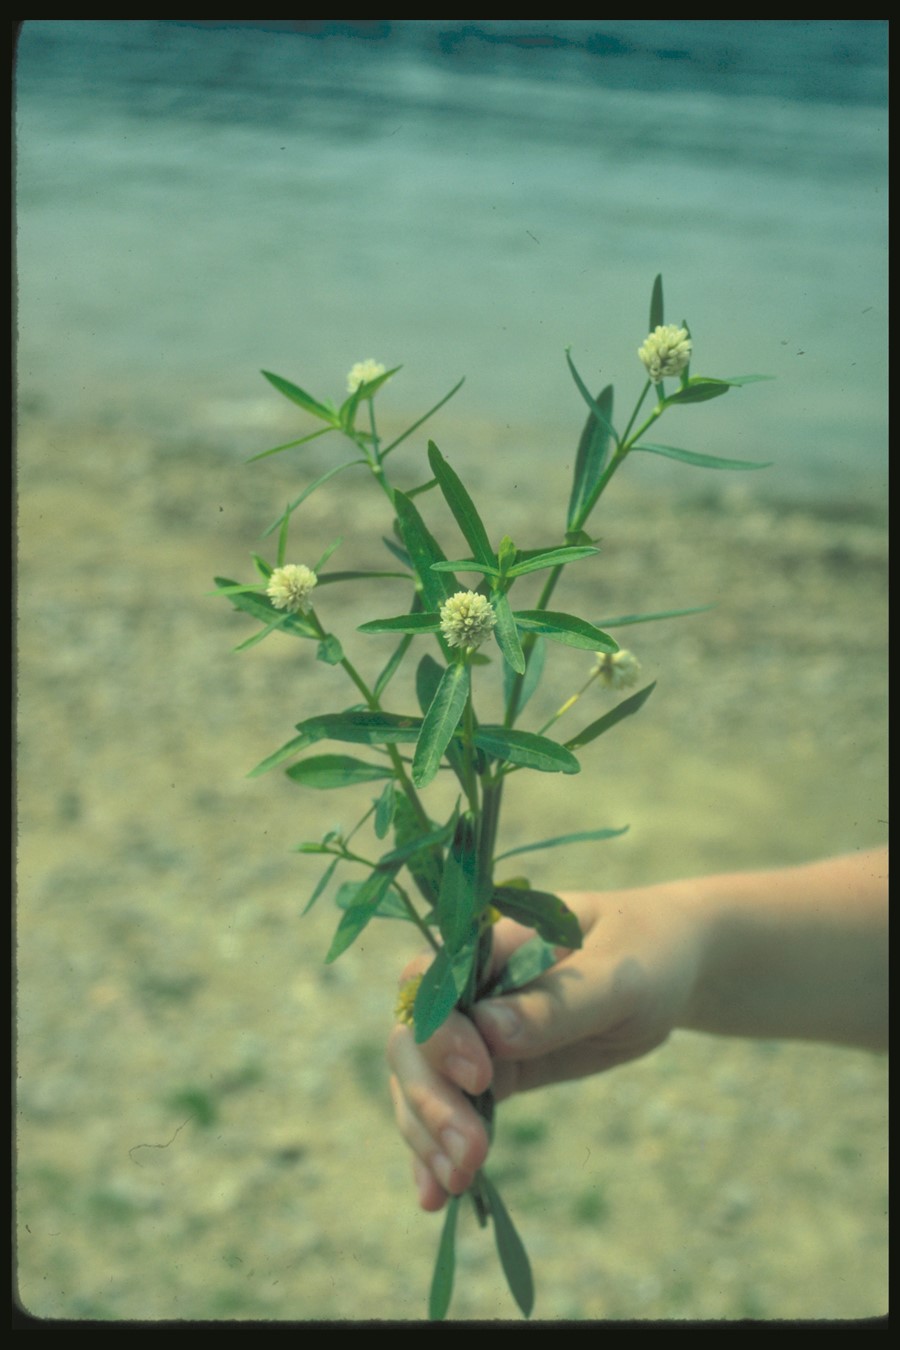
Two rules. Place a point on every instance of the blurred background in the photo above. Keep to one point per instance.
(204, 1129)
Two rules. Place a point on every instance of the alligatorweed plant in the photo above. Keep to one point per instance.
(437, 873)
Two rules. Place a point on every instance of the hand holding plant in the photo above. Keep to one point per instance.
(438, 871)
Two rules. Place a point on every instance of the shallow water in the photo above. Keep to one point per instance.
(197, 201)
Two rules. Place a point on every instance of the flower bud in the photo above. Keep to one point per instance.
(362, 373)
(289, 587)
(617, 670)
(467, 619)
(665, 352)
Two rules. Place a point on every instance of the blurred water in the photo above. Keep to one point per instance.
(197, 201)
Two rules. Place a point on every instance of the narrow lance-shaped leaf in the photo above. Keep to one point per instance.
(507, 634)
(595, 406)
(307, 492)
(627, 708)
(458, 903)
(511, 1250)
(336, 771)
(301, 397)
(565, 628)
(545, 913)
(555, 557)
(442, 986)
(533, 674)
(440, 722)
(462, 506)
(622, 619)
(436, 587)
(445, 1264)
(526, 964)
(656, 303)
(403, 623)
(526, 748)
(321, 884)
(593, 452)
(363, 909)
(702, 461)
(581, 837)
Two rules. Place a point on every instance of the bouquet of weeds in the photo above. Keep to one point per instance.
(438, 873)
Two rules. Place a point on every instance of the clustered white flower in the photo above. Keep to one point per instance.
(362, 373)
(665, 352)
(289, 587)
(467, 618)
(617, 670)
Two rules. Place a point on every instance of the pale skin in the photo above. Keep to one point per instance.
(796, 953)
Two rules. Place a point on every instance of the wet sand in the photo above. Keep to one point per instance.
(204, 1127)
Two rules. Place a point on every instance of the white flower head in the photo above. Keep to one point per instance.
(617, 670)
(467, 618)
(665, 352)
(289, 587)
(362, 373)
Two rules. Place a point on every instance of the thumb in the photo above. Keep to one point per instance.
(565, 1005)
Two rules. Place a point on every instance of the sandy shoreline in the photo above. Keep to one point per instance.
(204, 1129)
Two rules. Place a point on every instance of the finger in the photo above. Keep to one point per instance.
(456, 1050)
(573, 1001)
(436, 1119)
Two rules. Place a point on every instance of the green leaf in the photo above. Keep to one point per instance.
(555, 557)
(580, 837)
(738, 381)
(596, 407)
(467, 565)
(384, 810)
(261, 607)
(415, 426)
(321, 884)
(330, 650)
(545, 913)
(290, 445)
(527, 749)
(462, 506)
(404, 623)
(425, 868)
(532, 678)
(361, 911)
(510, 1249)
(703, 461)
(429, 674)
(624, 619)
(526, 964)
(440, 722)
(593, 452)
(626, 708)
(424, 551)
(457, 903)
(392, 665)
(287, 751)
(442, 986)
(656, 304)
(360, 727)
(507, 634)
(366, 390)
(566, 628)
(301, 397)
(336, 771)
(445, 1264)
(391, 905)
(699, 389)
(308, 491)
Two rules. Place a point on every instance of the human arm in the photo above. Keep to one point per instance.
(794, 953)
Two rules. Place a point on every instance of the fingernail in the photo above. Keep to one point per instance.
(501, 1018)
(462, 1071)
(443, 1169)
(455, 1145)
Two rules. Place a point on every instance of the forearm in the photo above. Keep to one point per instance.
(799, 953)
